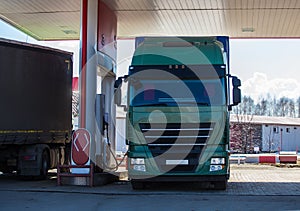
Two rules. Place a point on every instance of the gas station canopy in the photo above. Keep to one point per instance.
(58, 20)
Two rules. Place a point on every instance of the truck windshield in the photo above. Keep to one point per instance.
(207, 92)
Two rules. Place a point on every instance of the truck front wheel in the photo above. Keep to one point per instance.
(220, 185)
(137, 185)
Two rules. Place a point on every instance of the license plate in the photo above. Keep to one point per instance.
(177, 162)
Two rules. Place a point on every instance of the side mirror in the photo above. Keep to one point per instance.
(118, 96)
(236, 82)
(237, 97)
(118, 82)
(118, 92)
(236, 92)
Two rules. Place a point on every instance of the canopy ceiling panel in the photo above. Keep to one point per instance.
(56, 19)
(43, 20)
(236, 18)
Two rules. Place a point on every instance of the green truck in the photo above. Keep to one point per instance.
(179, 96)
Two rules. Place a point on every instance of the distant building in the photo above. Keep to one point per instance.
(272, 133)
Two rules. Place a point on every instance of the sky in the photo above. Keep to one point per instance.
(265, 66)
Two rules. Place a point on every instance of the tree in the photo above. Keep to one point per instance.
(236, 144)
(291, 108)
(242, 134)
(246, 107)
(257, 109)
(272, 107)
(283, 107)
(298, 103)
(264, 107)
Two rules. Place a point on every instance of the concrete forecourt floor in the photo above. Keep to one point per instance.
(251, 187)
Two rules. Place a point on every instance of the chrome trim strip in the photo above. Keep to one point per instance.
(170, 129)
(176, 137)
(176, 144)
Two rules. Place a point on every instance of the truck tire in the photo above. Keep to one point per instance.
(136, 185)
(44, 165)
(220, 185)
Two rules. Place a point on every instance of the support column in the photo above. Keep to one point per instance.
(98, 56)
(82, 62)
(88, 64)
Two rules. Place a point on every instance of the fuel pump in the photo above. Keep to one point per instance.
(105, 110)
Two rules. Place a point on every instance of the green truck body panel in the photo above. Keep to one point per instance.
(177, 51)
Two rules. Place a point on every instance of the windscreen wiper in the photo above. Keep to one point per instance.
(169, 104)
(203, 103)
(195, 103)
(151, 104)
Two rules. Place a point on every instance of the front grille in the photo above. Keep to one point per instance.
(176, 133)
(176, 141)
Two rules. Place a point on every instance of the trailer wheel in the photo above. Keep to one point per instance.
(44, 165)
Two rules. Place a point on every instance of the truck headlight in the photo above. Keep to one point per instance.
(137, 161)
(217, 161)
(139, 167)
(215, 167)
(138, 164)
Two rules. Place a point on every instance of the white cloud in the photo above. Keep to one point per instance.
(260, 86)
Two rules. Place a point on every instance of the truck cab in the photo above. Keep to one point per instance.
(178, 104)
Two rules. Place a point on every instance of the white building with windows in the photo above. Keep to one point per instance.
(277, 133)
(281, 133)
